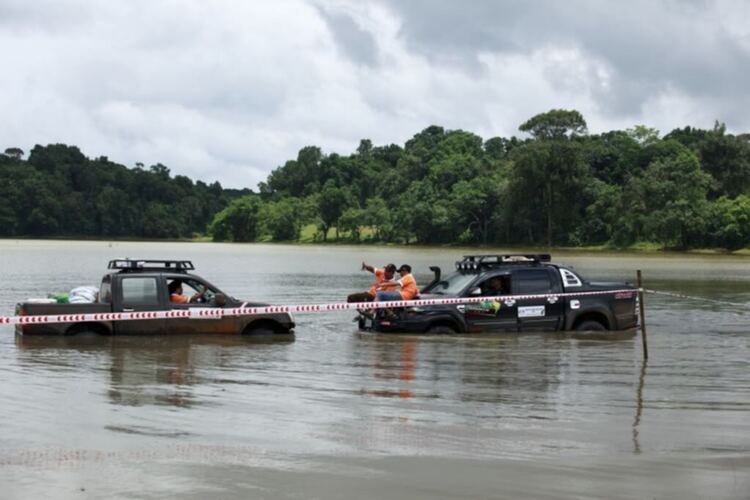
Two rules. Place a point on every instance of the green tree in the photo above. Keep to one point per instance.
(159, 222)
(549, 174)
(281, 219)
(547, 183)
(237, 222)
(298, 177)
(668, 201)
(331, 204)
(378, 216)
(352, 221)
(555, 124)
(643, 135)
(476, 204)
(602, 217)
(729, 222)
(15, 153)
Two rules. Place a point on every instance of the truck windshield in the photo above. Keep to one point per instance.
(453, 284)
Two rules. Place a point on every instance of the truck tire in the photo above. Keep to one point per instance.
(590, 325)
(86, 330)
(259, 329)
(441, 329)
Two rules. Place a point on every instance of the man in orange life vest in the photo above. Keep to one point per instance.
(381, 276)
(407, 283)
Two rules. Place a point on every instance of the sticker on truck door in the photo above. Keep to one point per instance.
(486, 308)
(531, 312)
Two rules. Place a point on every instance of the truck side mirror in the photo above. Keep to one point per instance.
(220, 300)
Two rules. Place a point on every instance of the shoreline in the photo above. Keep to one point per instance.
(637, 249)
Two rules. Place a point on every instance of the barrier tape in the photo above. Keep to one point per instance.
(216, 313)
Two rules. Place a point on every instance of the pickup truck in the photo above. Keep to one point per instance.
(135, 285)
(529, 282)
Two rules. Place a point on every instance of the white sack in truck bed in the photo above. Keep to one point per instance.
(83, 295)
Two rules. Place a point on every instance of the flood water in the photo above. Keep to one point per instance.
(333, 413)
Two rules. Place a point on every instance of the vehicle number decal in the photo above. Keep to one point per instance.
(531, 311)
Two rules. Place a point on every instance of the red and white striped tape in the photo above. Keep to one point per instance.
(215, 312)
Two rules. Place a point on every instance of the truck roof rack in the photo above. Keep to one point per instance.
(475, 262)
(135, 265)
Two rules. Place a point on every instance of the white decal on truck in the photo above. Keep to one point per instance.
(569, 278)
(531, 312)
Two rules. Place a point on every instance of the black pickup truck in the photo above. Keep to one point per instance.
(139, 285)
(520, 278)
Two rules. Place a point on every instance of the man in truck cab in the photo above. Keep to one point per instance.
(175, 293)
(496, 286)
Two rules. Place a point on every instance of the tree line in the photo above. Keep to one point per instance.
(59, 192)
(560, 186)
(557, 186)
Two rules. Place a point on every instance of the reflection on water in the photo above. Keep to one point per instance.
(328, 412)
(142, 370)
(394, 363)
(639, 406)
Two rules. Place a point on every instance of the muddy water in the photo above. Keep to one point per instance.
(332, 413)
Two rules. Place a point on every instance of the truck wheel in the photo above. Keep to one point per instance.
(260, 331)
(440, 329)
(591, 326)
(87, 330)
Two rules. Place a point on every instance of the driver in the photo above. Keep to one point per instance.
(175, 293)
(496, 286)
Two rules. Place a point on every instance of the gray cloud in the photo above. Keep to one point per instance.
(354, 42)
(698, 48)
(228, 90)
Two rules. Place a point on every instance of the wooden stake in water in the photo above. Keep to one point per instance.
(642, 310)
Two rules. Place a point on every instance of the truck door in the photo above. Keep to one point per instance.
(210, 324)
(135, 294)
(492, 316)
(543, 313)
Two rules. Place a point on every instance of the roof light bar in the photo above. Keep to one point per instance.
(150, 264)
(474, 262)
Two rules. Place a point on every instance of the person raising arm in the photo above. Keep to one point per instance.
(381, 276)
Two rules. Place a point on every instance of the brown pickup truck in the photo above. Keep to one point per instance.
(135, 285)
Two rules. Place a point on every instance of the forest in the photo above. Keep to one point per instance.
(58, 192)
(557, 185)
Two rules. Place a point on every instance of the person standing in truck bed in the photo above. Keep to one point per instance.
(381, 276)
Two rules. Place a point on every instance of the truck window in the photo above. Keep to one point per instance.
(138, 291)
(105, 291)
(497, 285)
(532, 281)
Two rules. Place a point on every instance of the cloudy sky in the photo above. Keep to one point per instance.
(228, 90)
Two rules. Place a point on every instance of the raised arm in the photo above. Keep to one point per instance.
(365, 267)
